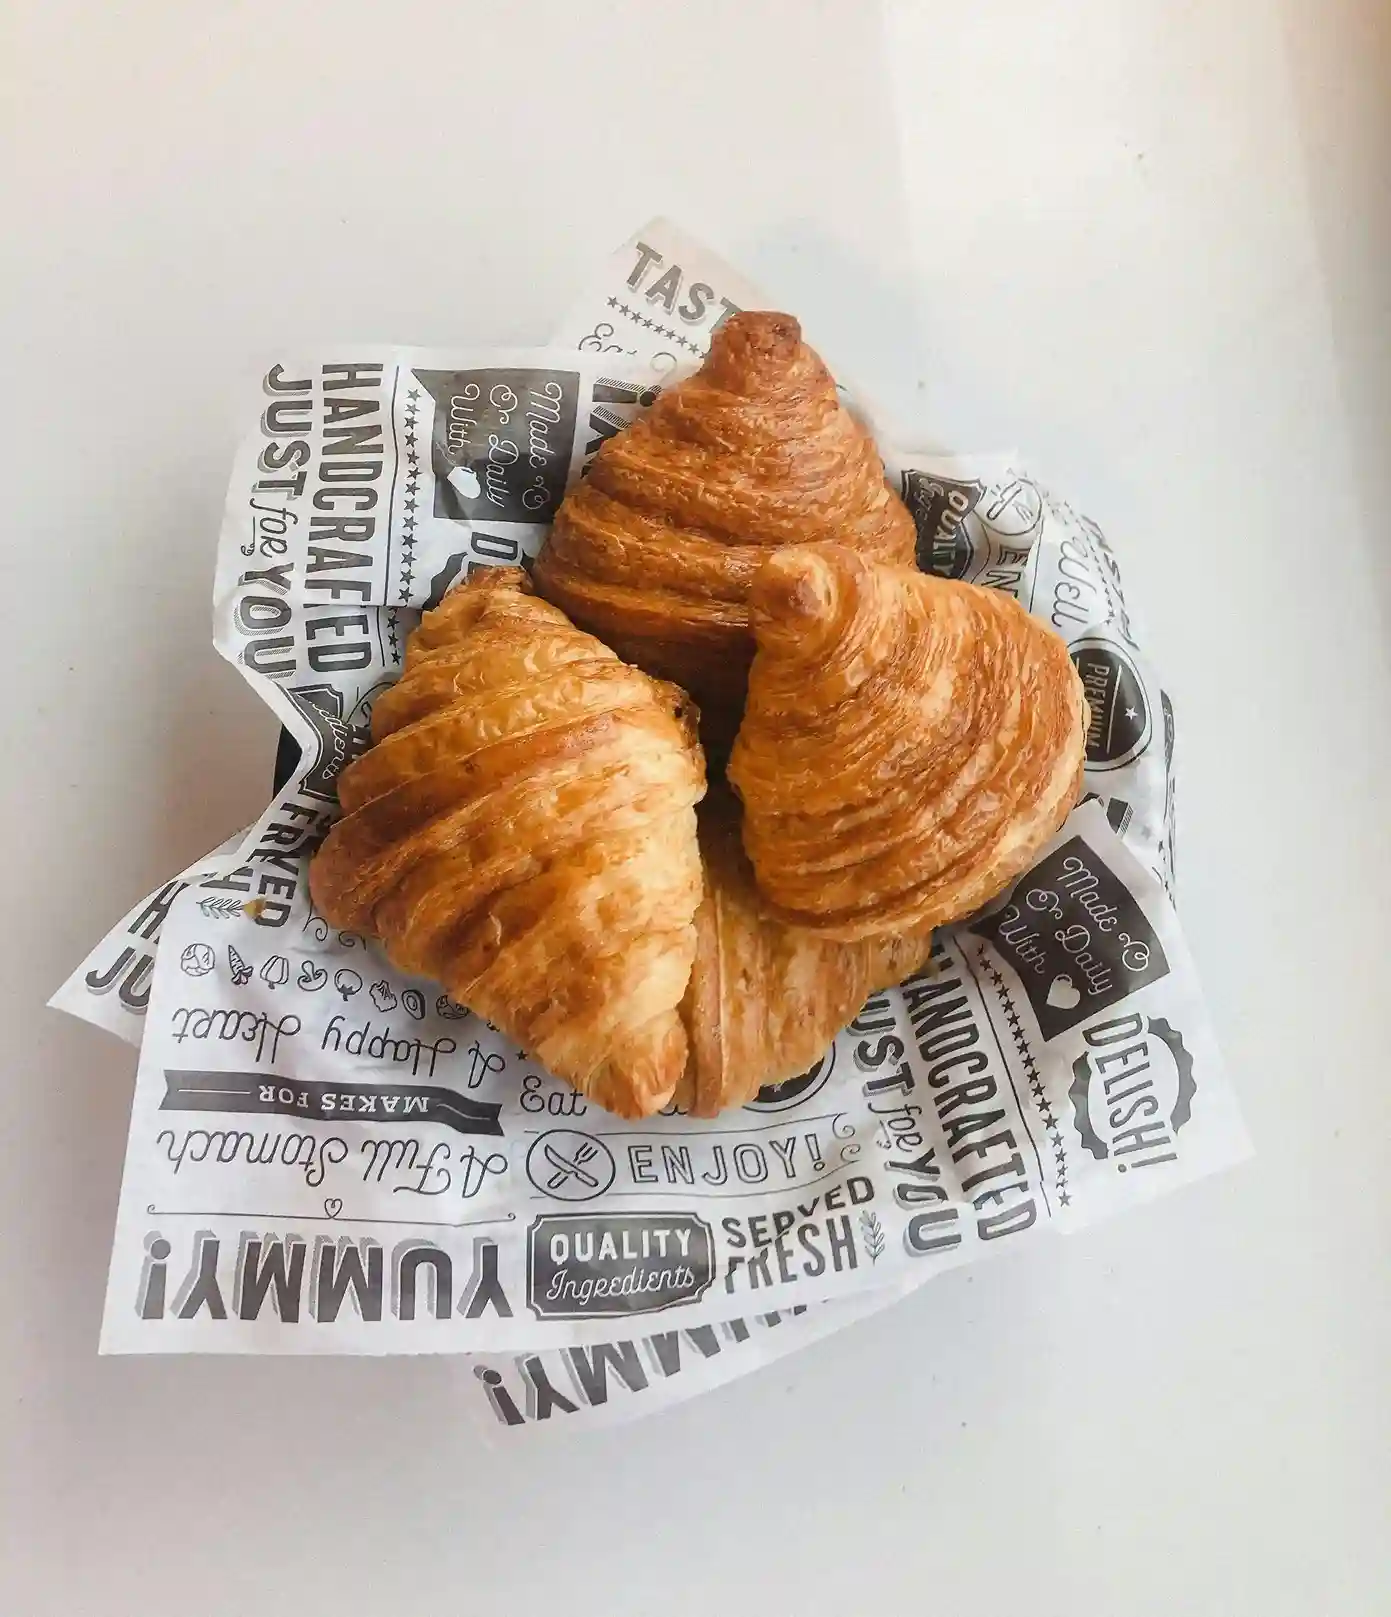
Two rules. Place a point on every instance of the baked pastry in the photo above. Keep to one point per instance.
(655, 549)
(523, 831)
(909, 743)
(765, 999)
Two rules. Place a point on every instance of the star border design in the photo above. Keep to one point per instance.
(640, 319)
(1033, 1077)
(411, 503)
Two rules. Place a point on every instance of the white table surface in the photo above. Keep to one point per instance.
(1143, 241)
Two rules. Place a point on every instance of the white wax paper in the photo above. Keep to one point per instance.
(326, 1156)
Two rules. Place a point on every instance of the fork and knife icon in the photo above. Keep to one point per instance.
(574, 1166)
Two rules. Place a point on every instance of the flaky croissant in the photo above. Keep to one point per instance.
(655, 550)
(908, 746)
(523, 831)
(766, 1000)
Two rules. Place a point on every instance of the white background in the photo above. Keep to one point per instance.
(1145, 242)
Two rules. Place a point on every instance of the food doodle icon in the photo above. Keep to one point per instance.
(873, 1232)
(570, 1165)
(241, 971)
(347, 983)
(449, 1009)
(220, 909)
(1014, 509)
(414, 1002)
(382, 996)
(312, 977)
(275, 971)
(197, 960)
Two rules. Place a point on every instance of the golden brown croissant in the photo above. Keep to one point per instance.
(766, 1000)
(655, 550)
(909, 743)
(523, 831)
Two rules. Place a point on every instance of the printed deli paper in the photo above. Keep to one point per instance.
(326, 1156)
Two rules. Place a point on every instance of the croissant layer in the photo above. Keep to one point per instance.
(523, 831)
(656, 550)
(766, 1000)
(908, 746)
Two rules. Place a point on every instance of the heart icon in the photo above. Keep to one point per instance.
(312, 976)
(1063, 994)
(333, 1206)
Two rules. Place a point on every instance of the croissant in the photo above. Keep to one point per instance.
(523, 831)
(909, 743)
(766, 1000)
(655, 550)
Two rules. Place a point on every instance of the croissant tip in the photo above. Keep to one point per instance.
(794, 595)
(754, 348)
(760, 329)
(794, 588)
(493, 578)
